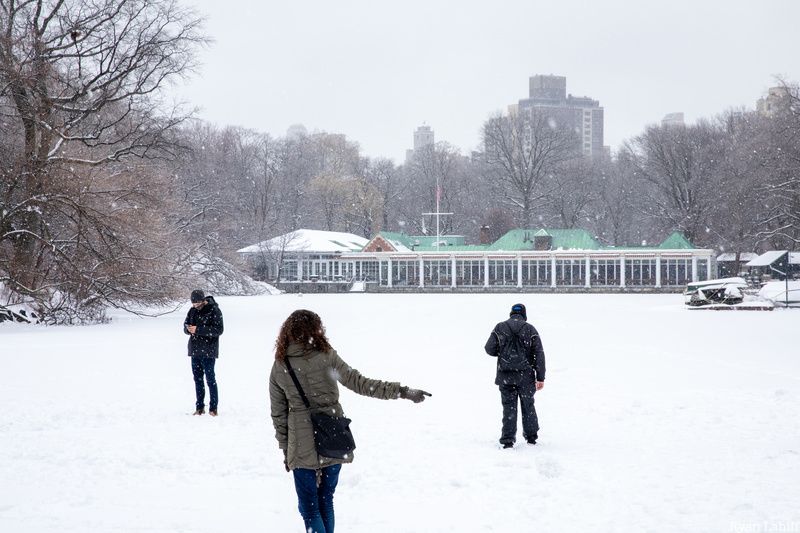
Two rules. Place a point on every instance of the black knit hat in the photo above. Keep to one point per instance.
(197, 296)
(519, 309)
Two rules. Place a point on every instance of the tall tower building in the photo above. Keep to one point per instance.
(423, 136)
(581, 114)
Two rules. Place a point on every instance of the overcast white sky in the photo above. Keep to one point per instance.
(375, 70)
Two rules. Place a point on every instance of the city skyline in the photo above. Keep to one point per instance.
(376, 74)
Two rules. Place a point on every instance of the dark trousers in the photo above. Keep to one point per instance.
(316, 502)
(200, 366)
(522, 390)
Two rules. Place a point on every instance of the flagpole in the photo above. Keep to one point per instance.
(437, 212)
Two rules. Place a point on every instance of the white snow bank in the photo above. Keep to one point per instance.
(775, 291)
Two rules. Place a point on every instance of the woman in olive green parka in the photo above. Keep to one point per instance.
(318, 369)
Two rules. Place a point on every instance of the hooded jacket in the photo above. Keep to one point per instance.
(208, 319)
(501, 342)
(318, 374)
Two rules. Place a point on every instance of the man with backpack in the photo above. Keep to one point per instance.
(520, 373)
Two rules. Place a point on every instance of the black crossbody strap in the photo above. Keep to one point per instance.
(297, 383)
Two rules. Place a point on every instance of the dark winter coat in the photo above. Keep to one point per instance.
(318, 374)
(518, 349)
(205, 341)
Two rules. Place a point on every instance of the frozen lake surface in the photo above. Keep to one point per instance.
(653, 418)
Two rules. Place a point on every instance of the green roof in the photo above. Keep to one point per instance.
(522, 239)
(426, 243)
(676, 241)
(391, 236)
(563, 239)
(429, 241)
(464, 248)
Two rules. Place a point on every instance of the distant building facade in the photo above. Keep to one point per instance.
(296, 131)
(423, 136)
(730, 264)
(303, 254)
(526, 260)
(548, 95)
(673, 119)
(776, 100)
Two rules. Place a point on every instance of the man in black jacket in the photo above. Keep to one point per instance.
(520, 373)
(204, 325)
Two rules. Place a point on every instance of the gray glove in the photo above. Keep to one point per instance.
(415, 395)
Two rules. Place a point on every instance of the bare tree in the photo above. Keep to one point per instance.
(571, 189)
(363, 208)
(680, 166)
(521, 150)
(384, 175)
(440, 165)
(739, 183)
(779, 220)
(335, 163)
(329, 199)
(298, 167)
(263, 205)
(617, 215)
(208, 179)
(80, 83)
(498, 222)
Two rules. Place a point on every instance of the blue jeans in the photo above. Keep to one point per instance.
(200, 366)
(316, 503)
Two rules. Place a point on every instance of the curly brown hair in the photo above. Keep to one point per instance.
(302, 327)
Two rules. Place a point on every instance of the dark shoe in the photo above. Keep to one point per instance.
(212, 412)
(200, 411)
(531, 441)
(508, 445)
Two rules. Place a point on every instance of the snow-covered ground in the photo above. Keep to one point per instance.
(653, 418)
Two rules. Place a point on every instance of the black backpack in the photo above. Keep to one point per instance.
(515, 352)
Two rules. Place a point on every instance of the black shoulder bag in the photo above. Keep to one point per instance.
(332, 435)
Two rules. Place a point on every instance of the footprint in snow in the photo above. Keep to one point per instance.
(548, 467)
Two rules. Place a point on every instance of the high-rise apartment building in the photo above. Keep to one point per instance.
(581, 114)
